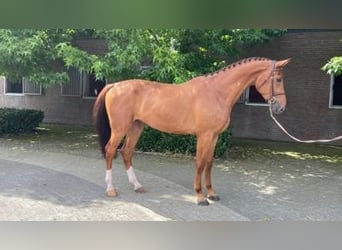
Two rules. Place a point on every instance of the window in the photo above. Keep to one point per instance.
(72, 88)
(82, 83)
(31, 88)
(13, 86)
(21, 87)
(335, 92)
(92, 86)
(253, 97)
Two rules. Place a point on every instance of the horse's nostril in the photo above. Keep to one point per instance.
(281, 109)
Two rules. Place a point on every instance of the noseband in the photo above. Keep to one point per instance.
(271, 99)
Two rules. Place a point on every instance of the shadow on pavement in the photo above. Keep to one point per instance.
(34, 182)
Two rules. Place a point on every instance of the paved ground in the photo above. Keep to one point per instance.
(263, 189)
(42, 185)
(57, 186)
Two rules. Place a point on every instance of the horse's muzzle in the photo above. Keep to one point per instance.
(277, 108)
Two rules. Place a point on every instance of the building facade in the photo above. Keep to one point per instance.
(314, 98)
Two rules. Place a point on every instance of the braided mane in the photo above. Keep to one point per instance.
(240, 62)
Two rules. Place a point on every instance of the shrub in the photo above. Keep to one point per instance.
(156, 141)
(13, 121)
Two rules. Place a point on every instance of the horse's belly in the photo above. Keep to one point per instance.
(169, 122)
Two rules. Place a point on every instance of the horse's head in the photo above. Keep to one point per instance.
(270, 85)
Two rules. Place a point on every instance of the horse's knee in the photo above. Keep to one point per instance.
(110, 153)
(125, 152)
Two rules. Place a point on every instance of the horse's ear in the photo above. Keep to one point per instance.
(282, 63)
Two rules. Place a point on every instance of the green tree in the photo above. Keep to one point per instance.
(334, 66)
(31, 53)
(174, 55)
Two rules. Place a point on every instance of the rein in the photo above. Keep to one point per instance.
(295, 138)
(273, 100)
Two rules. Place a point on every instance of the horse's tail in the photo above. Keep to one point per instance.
(101, 120)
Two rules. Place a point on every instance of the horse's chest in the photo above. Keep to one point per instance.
(216, 120)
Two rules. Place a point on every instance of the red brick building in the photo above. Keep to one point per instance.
(314, 107)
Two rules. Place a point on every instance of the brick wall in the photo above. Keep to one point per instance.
(57, 108)
(93, 46)
(307, 87)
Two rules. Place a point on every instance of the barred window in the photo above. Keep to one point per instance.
(13, 86)
(22, 86)
(31, 88)
(73, 87)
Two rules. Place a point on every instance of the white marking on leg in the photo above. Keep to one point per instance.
(109, 180)
(132, 178)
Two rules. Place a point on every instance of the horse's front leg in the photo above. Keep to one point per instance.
(211, 192)
(204, 157)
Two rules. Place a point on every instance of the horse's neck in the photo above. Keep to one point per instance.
(231, 83)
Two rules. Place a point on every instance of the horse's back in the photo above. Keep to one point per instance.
(144, 90)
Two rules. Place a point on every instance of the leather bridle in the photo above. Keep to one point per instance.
(272, 98)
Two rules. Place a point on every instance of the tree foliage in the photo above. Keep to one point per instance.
(173, 55)
(334, 66)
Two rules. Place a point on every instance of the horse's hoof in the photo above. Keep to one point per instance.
(203, 203)
(112, 193)
(140, 190)
(213, 197)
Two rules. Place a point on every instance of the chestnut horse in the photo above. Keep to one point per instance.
(200, 106)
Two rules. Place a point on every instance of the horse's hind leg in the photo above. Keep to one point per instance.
(127, 150)
(110, 153)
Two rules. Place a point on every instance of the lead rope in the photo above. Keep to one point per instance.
(296, 139)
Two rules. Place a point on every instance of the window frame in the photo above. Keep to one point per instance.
(12, 93)
(27, 83)
(85, 86)
(248, 103)
(24, 83)
(331, 93)
(64, 89)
